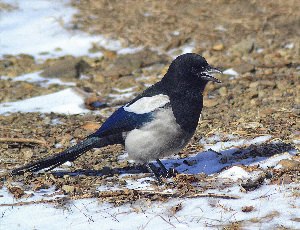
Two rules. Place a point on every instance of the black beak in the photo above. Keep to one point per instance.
(206, 75)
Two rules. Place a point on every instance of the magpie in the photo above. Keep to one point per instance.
(157, 123)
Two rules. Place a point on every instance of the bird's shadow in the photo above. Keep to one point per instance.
(208, 162)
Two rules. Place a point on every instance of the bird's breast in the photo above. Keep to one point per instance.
(158, 138)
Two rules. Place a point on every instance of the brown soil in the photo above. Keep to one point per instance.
(263, 99)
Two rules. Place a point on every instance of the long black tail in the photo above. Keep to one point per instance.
(69, 154)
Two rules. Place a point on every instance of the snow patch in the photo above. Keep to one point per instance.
(230, 72)
(67, 101)
(39, 80)
(235, 173)
(234, 143)
(43, 29)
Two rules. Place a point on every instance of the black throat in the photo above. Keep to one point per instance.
(186, 100)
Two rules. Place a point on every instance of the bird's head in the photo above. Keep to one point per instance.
(193, 68)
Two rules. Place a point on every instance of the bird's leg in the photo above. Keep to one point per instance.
(152, 169)
(166, 173)
(163, 168)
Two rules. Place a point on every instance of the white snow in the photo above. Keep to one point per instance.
(43, 29)
(273, 160)
(196, 213)
(289, 45)
(232, 143)
(186, 48)
(43, 26)
(67, 101)
(274, 204)
(230, 72)
(235, 173)
(39, 80)
(126, 90)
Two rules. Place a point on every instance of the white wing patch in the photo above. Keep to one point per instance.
(147, 104)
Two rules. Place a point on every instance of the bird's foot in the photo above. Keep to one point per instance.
(172, 173)
(165, 172)
(154, 170)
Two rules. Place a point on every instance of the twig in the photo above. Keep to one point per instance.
(86, 215)
(168, 194)
(23, 140)
(222, 196)
(168, 222)
(156, 193)
(22, 203)
(57, 200)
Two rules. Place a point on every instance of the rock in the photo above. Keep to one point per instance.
(289, 164)
(16, 191)
(223, 91)
(177, 42)
(266, 112)
(261, 94)
(126, 64)
(91, 126)
(12, 66)
(254, 84)
(39, 185)
(268, 71)
(243, 47)
(28, 154)
(68, 188)
(67, 67)
(253, 93)
(267, 83)
(99, 78)
(94, 103)
(218, 47)
(253, 102)
(109, 54)
(244, 67)
(247, 209)
(210, 103)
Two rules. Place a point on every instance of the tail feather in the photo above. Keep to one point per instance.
(69, 154)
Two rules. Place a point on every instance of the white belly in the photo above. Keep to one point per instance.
(159, 138)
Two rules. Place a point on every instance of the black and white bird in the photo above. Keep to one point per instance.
(157, 123)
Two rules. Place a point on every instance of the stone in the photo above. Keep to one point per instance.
(99, 78)
(210, 103)
(67, 67)
(245, 46)
(16, 191)
(223, 91)
(91, 126)
(68, 188)
(244, 67)
(218, 47)
(109, 54)
(289, 164)
(28, 154)
(95, 102)
(254, 84)
(247, 209)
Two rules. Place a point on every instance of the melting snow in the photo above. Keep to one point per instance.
(67, 101)
(38, 27)
(39, 80)
(42, 29)
(230, 72)
(197, 213)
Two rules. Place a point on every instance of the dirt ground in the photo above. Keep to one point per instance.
(258, 39)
